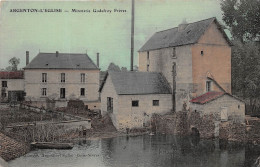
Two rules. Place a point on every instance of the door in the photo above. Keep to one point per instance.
(224, 114)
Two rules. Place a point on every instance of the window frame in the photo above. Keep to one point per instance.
(110, 104)
(62, 93)
(44, 77)
(62, 77)
(4, 84)
(82, 90)
(135, 101)
(156, 104)
(44, 92)
(82, 77)
(208, 86)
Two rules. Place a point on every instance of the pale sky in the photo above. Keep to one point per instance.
(106, 33)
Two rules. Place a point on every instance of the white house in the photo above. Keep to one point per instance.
(130, 98)
(61, 77)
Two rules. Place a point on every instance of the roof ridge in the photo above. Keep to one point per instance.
(188, 24)
(62, 53)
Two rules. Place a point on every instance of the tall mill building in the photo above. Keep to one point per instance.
(195, 58)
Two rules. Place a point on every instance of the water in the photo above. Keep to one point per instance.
(141, 151)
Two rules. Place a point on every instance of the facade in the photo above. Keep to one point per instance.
(130, 98)
(61, 77)
(195, 58)
(12, 86)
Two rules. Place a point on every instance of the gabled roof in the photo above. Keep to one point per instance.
(172, 37)
(61, 61)
(137, 83)
(11, 74)
(210, 96)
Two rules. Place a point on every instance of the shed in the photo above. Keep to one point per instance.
(224, 106)
(130, 98)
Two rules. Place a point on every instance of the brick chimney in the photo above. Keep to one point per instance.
(27, 57)
(98, 59)
(57, 53)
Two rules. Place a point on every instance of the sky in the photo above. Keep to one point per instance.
(92, 32)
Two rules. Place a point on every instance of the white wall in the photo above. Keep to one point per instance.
(33, 84)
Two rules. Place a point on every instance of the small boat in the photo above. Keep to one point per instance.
(51, 145)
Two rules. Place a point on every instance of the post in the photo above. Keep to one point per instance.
(132, 35)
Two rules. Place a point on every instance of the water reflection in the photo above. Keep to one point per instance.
(152, 151)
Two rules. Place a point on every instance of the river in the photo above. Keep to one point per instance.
(142, 151)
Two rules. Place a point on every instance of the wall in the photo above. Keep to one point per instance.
(209, 114)
(216, 60)
(109, 91)
(12, 85)
(33, 84)
(134, 117)
(161, 60)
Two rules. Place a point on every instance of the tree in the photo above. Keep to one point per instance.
(245, 73)
(113, 67)
(242, 16)
(14, 63)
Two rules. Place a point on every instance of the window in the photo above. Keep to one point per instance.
(44, 91)
(110, 104)
(147, 55)
(4, 84)
(135, 103)
(82, 78)
(44, 77)
(3, 94)
(62, 92)
(148, 67)
(173, 53)
(155, 102)
(82, 91)
(201, 53)
(62, 77)
(208, 86)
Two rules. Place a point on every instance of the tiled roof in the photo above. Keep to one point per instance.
(11, 74)
(130, 83)
(207, 97)
(10, 148)
(61, 61)
(172, 37)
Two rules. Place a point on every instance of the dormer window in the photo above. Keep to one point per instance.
(208, 86)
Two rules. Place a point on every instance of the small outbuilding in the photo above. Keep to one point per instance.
(222, 105)
(130, 98)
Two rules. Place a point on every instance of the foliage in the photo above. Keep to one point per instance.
(242, 16)
(14, 64)
(245, 71)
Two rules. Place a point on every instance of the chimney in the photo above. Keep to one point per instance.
(57, 53)
(27, 57)
(98, 59)
(183, 25)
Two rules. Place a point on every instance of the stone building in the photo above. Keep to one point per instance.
(195, 58)
(218, 108)
(130, 98)
(61, 77)
(12, 86)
